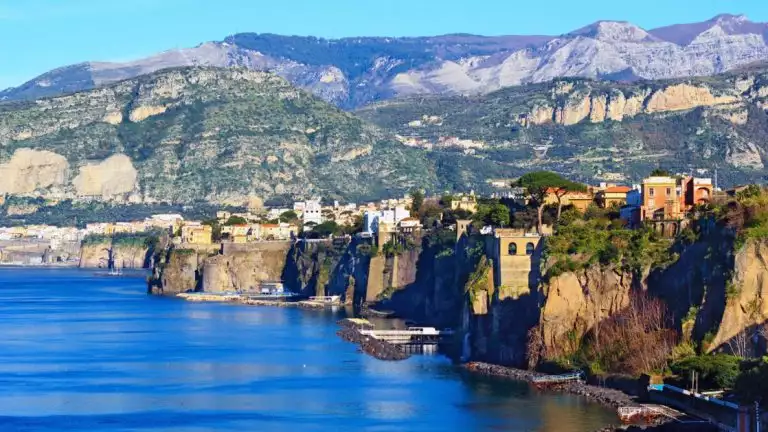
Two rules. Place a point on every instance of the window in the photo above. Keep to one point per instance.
(651, 192)
(512, 249)
(669, 191)
(529, 248)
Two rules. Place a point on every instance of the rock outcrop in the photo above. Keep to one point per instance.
(598, 103)
(29, 170)
(115, 175)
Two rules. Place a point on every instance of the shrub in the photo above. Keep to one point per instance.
(715, 372)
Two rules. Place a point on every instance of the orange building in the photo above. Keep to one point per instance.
(669, 198)
(661, 198)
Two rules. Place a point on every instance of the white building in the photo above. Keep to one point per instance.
(313, 212)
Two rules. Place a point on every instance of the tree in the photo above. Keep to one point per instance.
(289, 216)
(446, 200)
(660, 172)
(236, 220)
(326, 229)
(537, 185)
(417, 199)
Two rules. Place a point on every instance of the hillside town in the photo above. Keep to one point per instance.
(661, 200)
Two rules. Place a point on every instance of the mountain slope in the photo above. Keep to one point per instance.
(205, 134)
(597, 130)
(353, 72)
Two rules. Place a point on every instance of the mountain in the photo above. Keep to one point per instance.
(353, 72)
(225, 136)
(600, 130)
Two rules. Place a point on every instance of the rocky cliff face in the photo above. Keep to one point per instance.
(355, 71)
(98, 256)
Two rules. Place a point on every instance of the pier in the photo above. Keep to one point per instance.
(412, 335)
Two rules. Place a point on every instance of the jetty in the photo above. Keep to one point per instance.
(411, 335)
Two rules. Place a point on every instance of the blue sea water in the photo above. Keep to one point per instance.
(81, 352)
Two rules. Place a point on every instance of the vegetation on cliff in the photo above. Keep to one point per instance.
(599, 237)
(214, 135)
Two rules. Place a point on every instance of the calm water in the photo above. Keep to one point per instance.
(87, 353)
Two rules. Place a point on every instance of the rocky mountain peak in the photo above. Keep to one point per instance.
(613, 31)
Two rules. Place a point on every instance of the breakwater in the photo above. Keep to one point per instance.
(604, 396)
(380, 349)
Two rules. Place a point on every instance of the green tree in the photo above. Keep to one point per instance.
(537, 185)
(660, 172)
(236, 220)
(215, 228)
(289, 217)
(446, 200)
(417, 200)
(327, 229)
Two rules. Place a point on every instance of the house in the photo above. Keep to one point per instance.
(239, 233)
(465, 202)
(661, 198)
(579, 200)
(669, 198)
(313, 212)
(197, 234)
(409, 225)
(613, 196)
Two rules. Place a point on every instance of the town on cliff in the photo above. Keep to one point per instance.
(642, 285)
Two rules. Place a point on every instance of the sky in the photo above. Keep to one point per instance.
(39, 35)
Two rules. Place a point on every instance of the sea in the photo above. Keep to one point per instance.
(82, 351)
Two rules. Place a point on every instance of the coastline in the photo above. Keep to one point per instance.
(606, 397)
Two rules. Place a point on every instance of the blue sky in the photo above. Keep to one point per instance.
(39, 35)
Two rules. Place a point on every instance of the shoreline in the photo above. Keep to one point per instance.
(606, 397)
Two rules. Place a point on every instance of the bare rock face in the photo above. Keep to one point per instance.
(747, 306)
(28, 170)
(180, 273)
(684, 97)
(144, 112)
(575, 302)
(244, 267)
(112, 176)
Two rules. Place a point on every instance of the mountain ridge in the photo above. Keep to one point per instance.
(352, 72)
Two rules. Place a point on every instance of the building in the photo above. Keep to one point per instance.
(313, 212)
(518, 258)
(465, 202)
(669, 198)
(197, 234)
(239, 233)
(697, 191)
(409, 225)
(579, 200)
(661, 198)
(613, 196)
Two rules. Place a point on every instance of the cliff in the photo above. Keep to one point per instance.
(99, 255)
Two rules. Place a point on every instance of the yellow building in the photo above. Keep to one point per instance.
(613, 196)
(579, 200)
(197, 234)
(518, 259)
(465, 202)
(240, 233)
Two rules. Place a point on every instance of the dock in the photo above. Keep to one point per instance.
(412, 335)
